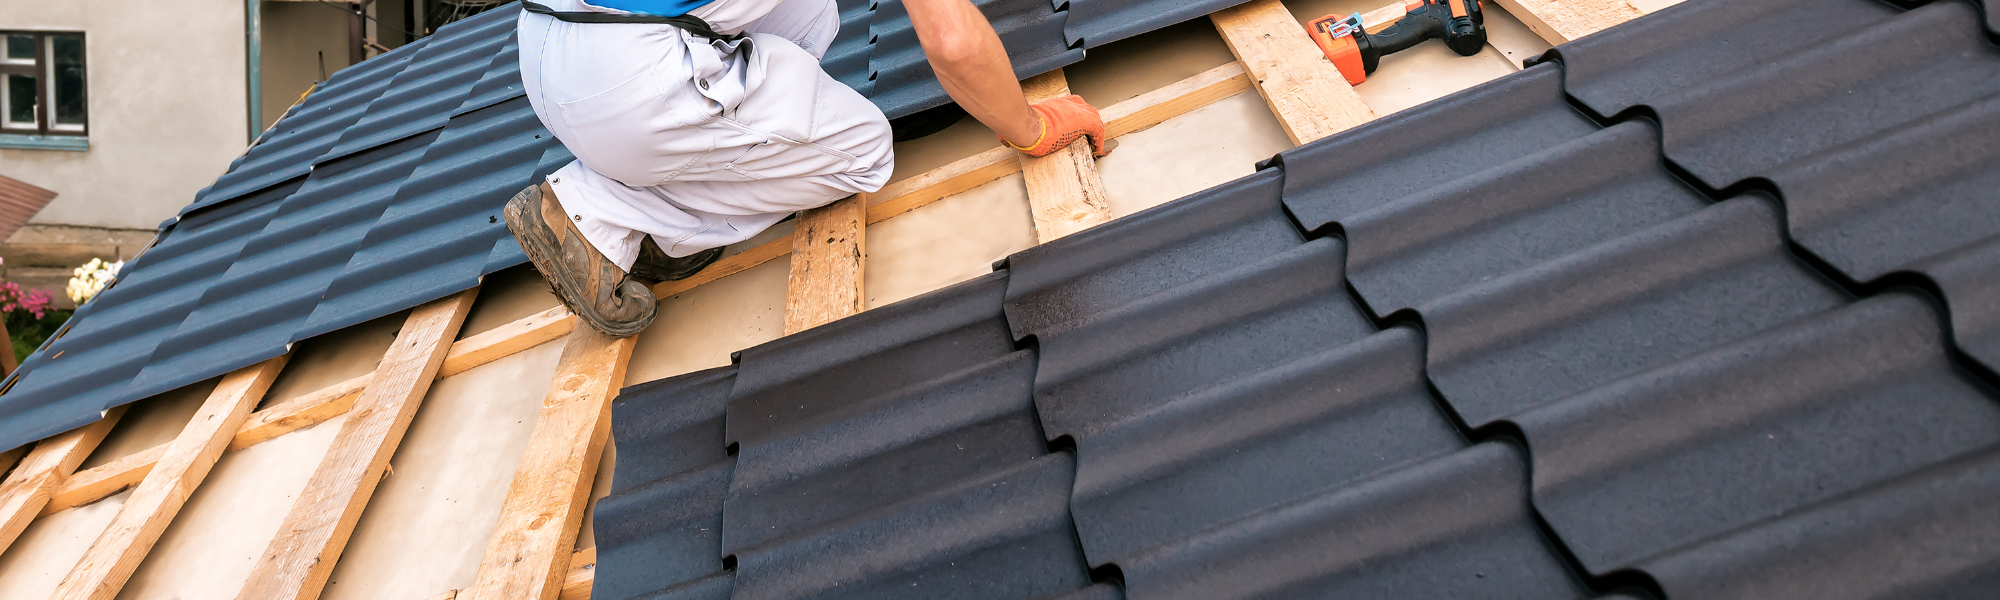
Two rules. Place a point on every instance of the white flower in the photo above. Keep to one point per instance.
(91, 279)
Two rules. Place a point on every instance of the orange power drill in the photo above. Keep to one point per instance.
(1349, 45)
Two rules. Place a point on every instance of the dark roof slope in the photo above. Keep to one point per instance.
(381, 191)
(1726, 336)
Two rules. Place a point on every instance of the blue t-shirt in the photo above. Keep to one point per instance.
(664, 8)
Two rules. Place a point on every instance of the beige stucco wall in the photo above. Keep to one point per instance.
(167, 107)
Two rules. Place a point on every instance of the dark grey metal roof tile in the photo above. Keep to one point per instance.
(436, 236)
(1539, 207)
(1696, 42)
(659, 533)
(1300, 427)
(1457, 526)
(1481, 128)
(500, 83)
(903, 81)
(434, 85)
(1768, 426)
(310, 129)
(1853, 88)
(1970, 281)
(847, 57)
(1667, 292)
(1094, 23)
(1929, 535)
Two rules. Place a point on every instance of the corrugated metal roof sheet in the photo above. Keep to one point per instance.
(903, 83)
(20, 202)
(1733, 343)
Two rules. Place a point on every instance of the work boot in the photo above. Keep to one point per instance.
(655, 266)
(593, 287)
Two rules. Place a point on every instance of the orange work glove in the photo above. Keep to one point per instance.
(1065, 119)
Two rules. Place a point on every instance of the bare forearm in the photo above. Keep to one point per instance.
(973, 66)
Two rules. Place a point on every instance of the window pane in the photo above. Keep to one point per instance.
(67, 51)
(21, 46)
(19, 100)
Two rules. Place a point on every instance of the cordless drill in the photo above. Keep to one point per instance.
(1347, 43)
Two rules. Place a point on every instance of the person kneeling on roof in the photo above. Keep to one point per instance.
(700, 123)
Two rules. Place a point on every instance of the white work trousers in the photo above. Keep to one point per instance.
(699, 143)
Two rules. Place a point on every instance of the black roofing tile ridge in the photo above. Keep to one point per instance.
(1094, 23)
(1739, 238)
(659, 532)
(1763, 426)
(1968, 279)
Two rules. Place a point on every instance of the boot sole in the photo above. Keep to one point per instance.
(535, 239)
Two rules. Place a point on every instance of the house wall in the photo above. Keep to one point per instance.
(167, 105)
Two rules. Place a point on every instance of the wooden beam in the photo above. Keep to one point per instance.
(110, 561)
(299, 559)
(1183, 97)
(529, 553)
(44, 471)
(582, 573)
(507, 340)
(829, 253)
(729, 265)
(1308, 94)
(101, 482)
(1065, 193)
(1563, 21)
(956, 178)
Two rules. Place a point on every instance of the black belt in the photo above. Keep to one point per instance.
(691, 23)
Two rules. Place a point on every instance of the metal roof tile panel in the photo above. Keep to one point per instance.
(1564, 326)
(1413, 150)
(1862, 86)
(86, 370)
(1094, 23)
(310, 129)
(896, 454)
(1969, 278)
(1427, 245)
(1724, 440)
(1456, 526)
(1229, 451)
(252, 310)
(1696, 42)
(903, 81)
(436, 236)
(659, 533)
(1929, 535)
(501, 81)
(436, 83)
(847, 57)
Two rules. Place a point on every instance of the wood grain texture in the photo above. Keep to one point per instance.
(1065, 193)
(1563, 21)
(729, 265)
(111, 559)
(582, 573)
(829, 254)
(956, 178)
(90, 485)
(529, 553)
(299, 559)
(507, 340)
(43, 471)
(1182, 97)
(1310, 97)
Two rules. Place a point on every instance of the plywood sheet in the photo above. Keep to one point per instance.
(37, 561)
(1511, 37)
(1165, 163)
(207, 553)
(949, 241)
(427, 525)
(698, 329)
(1428, 72)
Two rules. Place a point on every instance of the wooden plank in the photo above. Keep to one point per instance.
(1375, 21)
(1065, 193)
(1183, 97)
(305, 411)
(529, 553)
(299, 559)
(110, 561)
(1563, 21)
(1308, 94)
(507, 340)
(45, 469)
(956, 178)
(729, 265)
(582, 573)
(829, 253)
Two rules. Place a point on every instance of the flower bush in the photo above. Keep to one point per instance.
(30, 318)
(91, 279)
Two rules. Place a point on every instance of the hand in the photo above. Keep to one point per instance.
(1065, 119)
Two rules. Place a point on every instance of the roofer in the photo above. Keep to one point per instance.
(700, 123)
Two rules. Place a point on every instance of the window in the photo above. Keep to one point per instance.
(42, 84)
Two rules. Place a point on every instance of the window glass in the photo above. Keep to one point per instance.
(67, 74)
(18, 101)
(20, 47)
